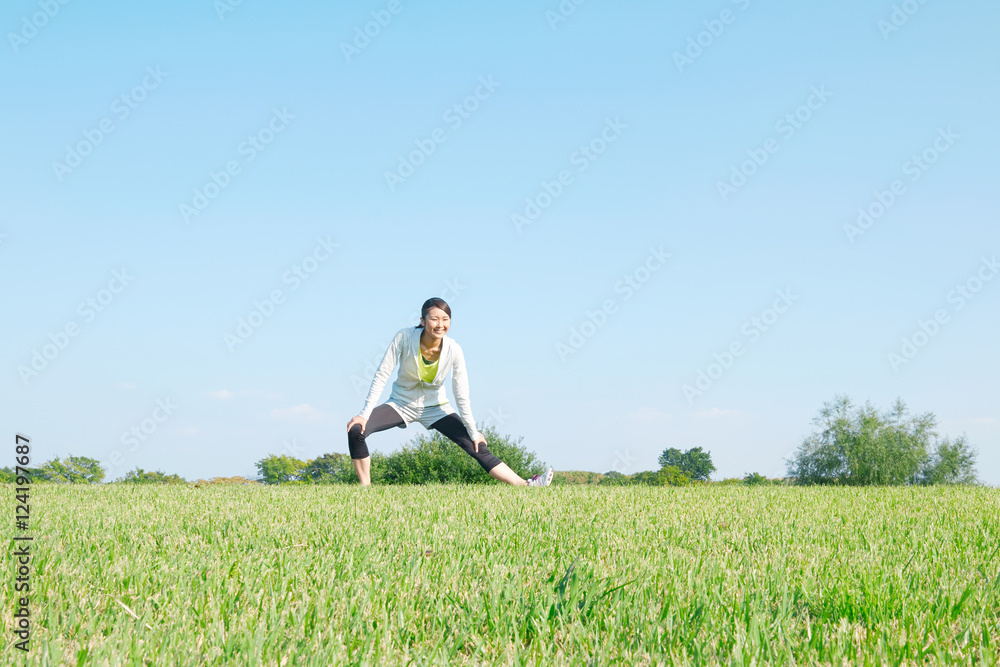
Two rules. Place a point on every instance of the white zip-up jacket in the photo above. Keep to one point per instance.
(409, 389)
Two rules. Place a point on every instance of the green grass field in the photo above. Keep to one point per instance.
(333, 575)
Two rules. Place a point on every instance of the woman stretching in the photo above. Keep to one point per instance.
(425, 355)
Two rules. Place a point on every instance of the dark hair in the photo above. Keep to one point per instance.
(432, 303)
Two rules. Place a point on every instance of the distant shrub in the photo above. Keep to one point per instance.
(615, 478)
(436, 459)
(428, 458)
(225, 480)
(576, 477)
(665, 476)
(140, 476)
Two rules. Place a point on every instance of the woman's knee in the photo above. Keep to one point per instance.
(485, 457)
(356, 443)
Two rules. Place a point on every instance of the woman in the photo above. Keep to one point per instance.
(425, 355)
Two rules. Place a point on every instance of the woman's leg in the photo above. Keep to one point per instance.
(382, 417)
(453, 428)
(505, 474)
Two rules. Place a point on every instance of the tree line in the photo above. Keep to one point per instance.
(851, 446)
(84, 470)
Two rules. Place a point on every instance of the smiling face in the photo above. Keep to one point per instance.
(436, 325)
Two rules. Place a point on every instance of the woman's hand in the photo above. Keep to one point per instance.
(478, 439)
(357, 420)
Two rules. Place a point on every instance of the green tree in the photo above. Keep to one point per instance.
(280, 469)
(615, 478)
(71, 470)
(671, 457)
(331, 468)
(695, 462)
(140, 476)
(754, 479)
(698, 464)
(862, 446)
(952, 462)
(665, 476)
(8, 476)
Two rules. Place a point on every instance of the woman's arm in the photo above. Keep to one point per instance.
(382, 373)
(460, 387)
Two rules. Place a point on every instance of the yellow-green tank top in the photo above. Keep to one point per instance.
(426, 371)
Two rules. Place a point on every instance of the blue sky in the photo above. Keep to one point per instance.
(203, 151)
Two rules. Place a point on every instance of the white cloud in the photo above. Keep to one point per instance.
(125, 385)
(716, 412)
(649, 414)
(299, 413)
(259, 393)
(191, 430)
(222, 393)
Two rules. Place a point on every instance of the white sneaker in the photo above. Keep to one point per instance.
(542, 480)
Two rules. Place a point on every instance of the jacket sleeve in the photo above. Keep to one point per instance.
(460, 387)
(383, 372)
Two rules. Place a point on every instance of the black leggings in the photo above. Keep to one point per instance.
(384, 417)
